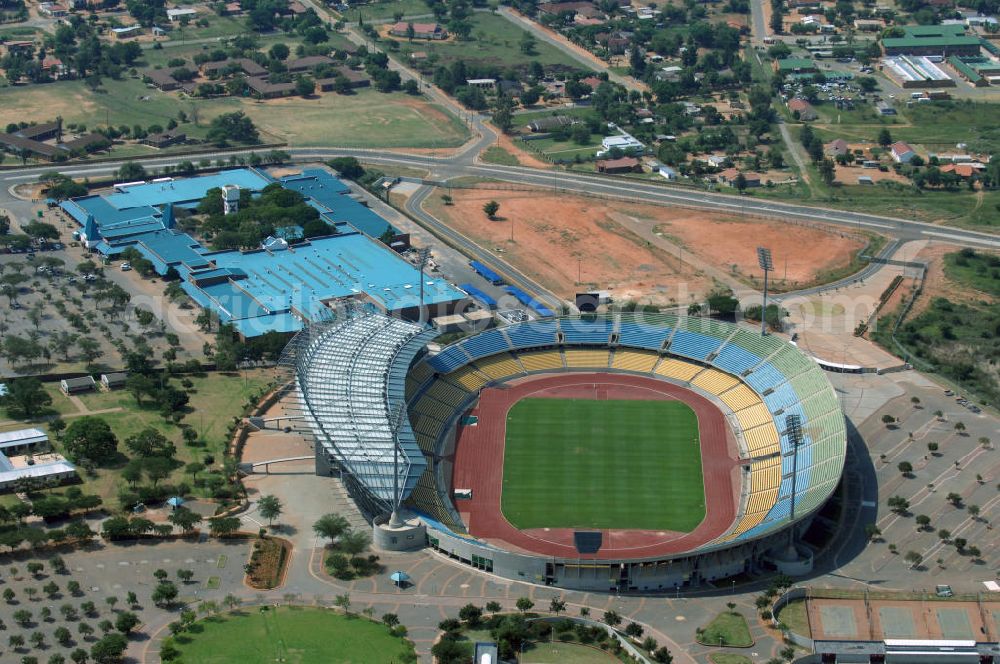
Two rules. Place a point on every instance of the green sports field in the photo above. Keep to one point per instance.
(579, 463)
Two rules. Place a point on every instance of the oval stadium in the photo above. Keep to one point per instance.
(622, 452)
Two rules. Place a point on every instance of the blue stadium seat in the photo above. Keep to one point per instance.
(584, 331)
(782, 397)
(642, 336)
(532, 334)
(764, 377)
(449, 359)
(735, 360)
(693, 345)
(486, 343)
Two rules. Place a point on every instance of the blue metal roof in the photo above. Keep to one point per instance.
(330, 196)
(185, 191)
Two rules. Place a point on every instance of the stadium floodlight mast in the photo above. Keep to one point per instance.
(396, 416)
(423, 256)
(766, 264)
(793, 429)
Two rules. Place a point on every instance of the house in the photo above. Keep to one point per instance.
(41, 132)
(618, 43)
(510, 88)
(802, 108)
(77, 385)
(165, 139)
(19, 47)
(178, 14)
(127, 32)
(624, 142)
(672, 73)
(795, 65)
(902, 153)
(162, 79)
(730, 176)
(23, 441)
(865, 180)
(355, 79)
(550, 122)
(622, 165)
(86, 143)
(41, 469)
(481, 83)
(111, 381)
(297, 8)
(429, 31)
(54, 67)
(17, 144)
(232, 9)
(52, 9)
(964, 171)
(667, 173)
(245, 65)
(263, 89)
(307, 63)
(718, 161)
(869, 25)
(835, 148)
(592, 81)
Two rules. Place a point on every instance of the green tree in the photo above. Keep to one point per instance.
(25, 398)
(331, 526)
(491, 208)
(524, 604)
(90, 437)
(269, 508)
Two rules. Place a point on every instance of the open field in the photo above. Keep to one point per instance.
(646, 253)
(368, 118)
(386, 9)
(557, 652)
(494, 41)
(293, 635)
(622, 464)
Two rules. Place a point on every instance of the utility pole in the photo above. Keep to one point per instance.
(766, 264)
(793, 429)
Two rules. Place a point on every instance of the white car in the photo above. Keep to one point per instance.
(126, 266)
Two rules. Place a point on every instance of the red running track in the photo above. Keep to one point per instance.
(479, 466)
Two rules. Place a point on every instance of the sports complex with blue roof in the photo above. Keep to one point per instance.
(280, 286)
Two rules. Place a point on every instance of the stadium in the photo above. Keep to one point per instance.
(617, 452)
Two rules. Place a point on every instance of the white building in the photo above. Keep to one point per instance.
(230, 199)
(624, 142)
(178, 13)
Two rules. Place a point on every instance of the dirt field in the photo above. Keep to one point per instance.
(849, 619)
(936, 284)
(651, 254)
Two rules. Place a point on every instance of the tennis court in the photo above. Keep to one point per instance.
(955, 623)
(897, 622)
(838, 622)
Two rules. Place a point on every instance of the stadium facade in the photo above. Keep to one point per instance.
(757, 382)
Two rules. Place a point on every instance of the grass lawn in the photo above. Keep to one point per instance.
(557, 652)
(794, 616)
(577, 463)
(218, 26)
(494, 41)
(291, 635)
(977, 270)
(386, 9)
(728, 629)
(729, 658)
(215, 399)
(496, 155)
(368, 118)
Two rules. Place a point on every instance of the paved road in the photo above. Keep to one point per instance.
(609, 187)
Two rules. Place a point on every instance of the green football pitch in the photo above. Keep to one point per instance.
(578, 463)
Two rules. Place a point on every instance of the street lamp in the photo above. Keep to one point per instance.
(766, 264)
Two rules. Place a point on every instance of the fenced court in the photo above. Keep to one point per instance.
(855, 615)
